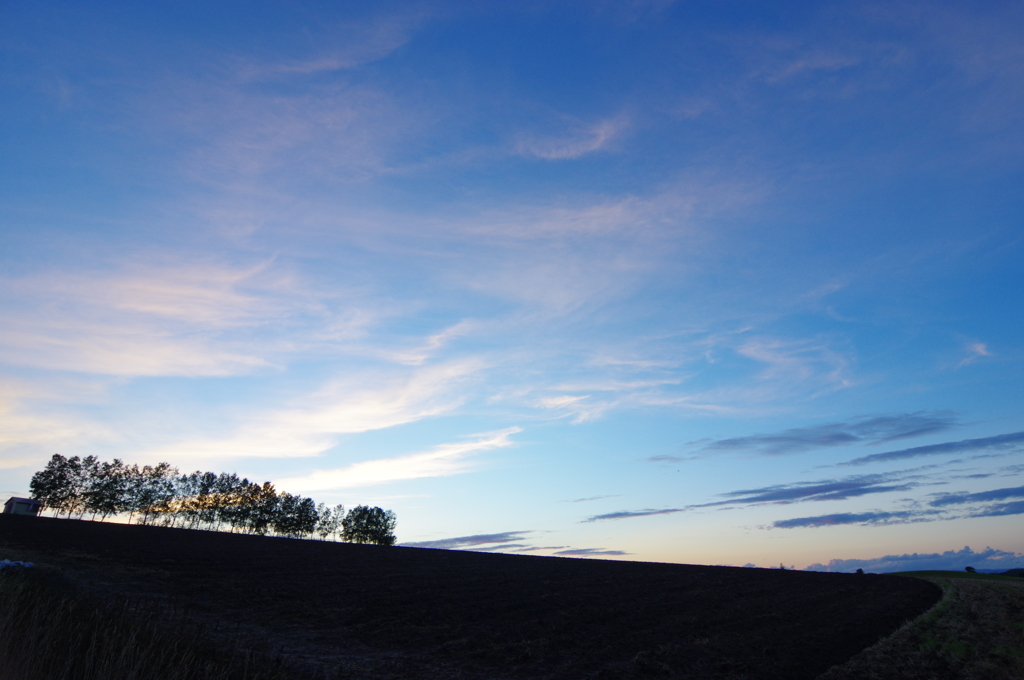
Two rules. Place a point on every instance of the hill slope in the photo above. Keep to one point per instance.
(372, 612)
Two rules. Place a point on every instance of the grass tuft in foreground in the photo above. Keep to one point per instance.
(48, 632)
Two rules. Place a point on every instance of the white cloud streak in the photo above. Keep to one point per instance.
(440, 461)
(347, 406)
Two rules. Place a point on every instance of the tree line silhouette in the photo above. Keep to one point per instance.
(159, 495)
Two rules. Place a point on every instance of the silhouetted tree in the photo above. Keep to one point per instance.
(296, 516)
(184, 507)
(87, 471)
(212, 499)
(364, 524)
(201, 499)
(106, 489)
(62, 483)
(259, 504)
(228, 502)
(203, 505)
(284, 518)
(329, 520)
(150, 490)
(52, 484)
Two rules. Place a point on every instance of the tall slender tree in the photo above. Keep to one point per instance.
(329, 520)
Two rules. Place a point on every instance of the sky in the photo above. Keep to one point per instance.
(697, 282)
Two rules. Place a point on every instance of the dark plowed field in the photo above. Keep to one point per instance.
(351, 611)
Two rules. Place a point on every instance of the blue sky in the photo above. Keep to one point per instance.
(704, 282)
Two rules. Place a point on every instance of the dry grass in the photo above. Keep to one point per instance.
(48, 632)
(976, 632)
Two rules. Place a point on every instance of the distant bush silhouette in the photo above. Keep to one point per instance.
(200, 500)
(860, 571)
(971, 570)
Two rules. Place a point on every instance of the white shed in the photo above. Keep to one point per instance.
(22, 506)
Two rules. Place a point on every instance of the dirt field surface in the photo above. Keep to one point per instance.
(337, 610)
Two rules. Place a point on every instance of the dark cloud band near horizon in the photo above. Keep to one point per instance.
(626, 514)
(943, 507)
(978, 497)
(584, 552)
(954, 560)
(827, 490)
(470, 541)
(783, 494)
(873, 429)
(1000, 442)
(506, 541)
(855, 486)
(842, 518)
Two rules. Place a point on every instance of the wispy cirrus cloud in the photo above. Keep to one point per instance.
(358, 44)
(37, 417)
(805, 61)
(255, 131)
(1011, 441)
(440, 461)
(557, 260)
(580, 141)
(975, 351)
(156, 319)
(27, 433)
(419, 355)
(664, 385)
(130, 350)
(798, 361)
